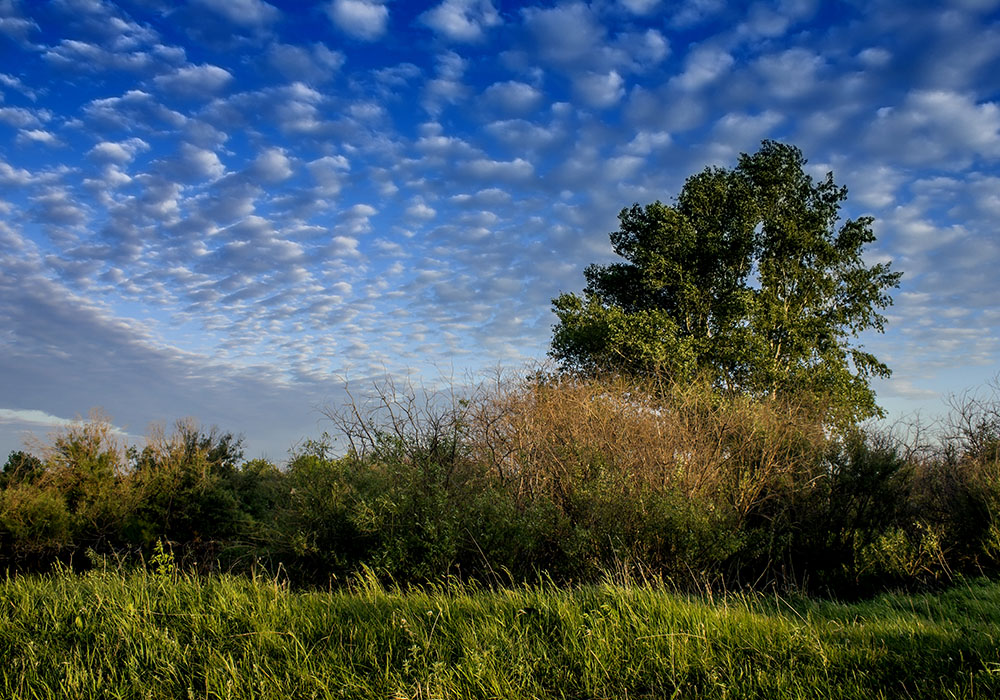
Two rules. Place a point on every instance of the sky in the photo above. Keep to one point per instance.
(226, 209)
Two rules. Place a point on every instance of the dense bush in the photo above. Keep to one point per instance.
(540, 476)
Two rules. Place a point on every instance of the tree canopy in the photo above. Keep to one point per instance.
(750, 278)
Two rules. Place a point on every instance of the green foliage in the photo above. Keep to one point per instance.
(34, 522)
(749, 279)
(544, 478)
(21, 467)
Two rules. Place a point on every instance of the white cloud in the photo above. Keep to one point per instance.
(703, 66)
(246, 13)
(513, 96)
(938, 126)
(37, 136)
(790, 73)
(134, 109)
(355, 219)
(329, 173)
(484, 168)
(875, 57)
(195, 81)
(462, 20)
(523, 135)
(192, 164)
(120, 152)
(773, 20)
(33, 417)
(693, 12)
(648, 48)
(447, 87)
(623, 167)
(314, 64)
(420, 210)
(10, 175)
(272, 165)
(737, 132)
(568, 36)
(17, 27)
(82, 56)
(640, 7)
(645, 142)
(600, 90)
(15, 83)
(56, 206)
(362, 19)
(22, 118)
(343, 246)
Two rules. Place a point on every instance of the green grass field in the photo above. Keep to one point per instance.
(108, 634)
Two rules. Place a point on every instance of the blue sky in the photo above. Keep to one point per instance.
(224, 208)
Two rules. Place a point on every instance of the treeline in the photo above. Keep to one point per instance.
(543, 476)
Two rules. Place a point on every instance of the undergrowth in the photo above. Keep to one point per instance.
(529, 478)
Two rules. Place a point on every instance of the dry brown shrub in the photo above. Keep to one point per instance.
(545, 434)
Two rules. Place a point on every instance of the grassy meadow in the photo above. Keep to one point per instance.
(160, 634)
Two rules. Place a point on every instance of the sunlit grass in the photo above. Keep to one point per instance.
(109, 634)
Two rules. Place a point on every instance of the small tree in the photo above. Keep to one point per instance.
(749, 278)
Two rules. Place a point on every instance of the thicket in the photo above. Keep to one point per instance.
(540, 476)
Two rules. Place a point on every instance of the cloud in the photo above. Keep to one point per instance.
(238, 219)
(195, 81)
(37, 136)
(313, 64)
(524, 135)
(937, 126)
(33, 417)
(875, 57)
(693, 12)
(118, 152)
(58, 344)
(71, 54)
(22, 118)
(462, 20)
(640, 7)
(13, 24)
(420, 211)
(791, 73)
(134, 109)
(14, 82)
(513, 97)
(506, 171)
(329, 173)
(10, 175)
(246, 13)
(769, 20)
(447, 87)
(600, 90)
(740, 132)
(568, 36)
(362, 19)
(271, 166)
(293, 109)
(703, 66)
(648, 47)
(192, 164)
(56, 206)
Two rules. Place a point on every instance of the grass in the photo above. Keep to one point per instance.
(110, 634)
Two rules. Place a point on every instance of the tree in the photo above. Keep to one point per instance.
(749, 278)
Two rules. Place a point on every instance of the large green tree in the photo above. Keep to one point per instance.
(750, 278)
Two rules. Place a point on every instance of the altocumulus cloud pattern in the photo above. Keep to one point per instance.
(219, 207)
